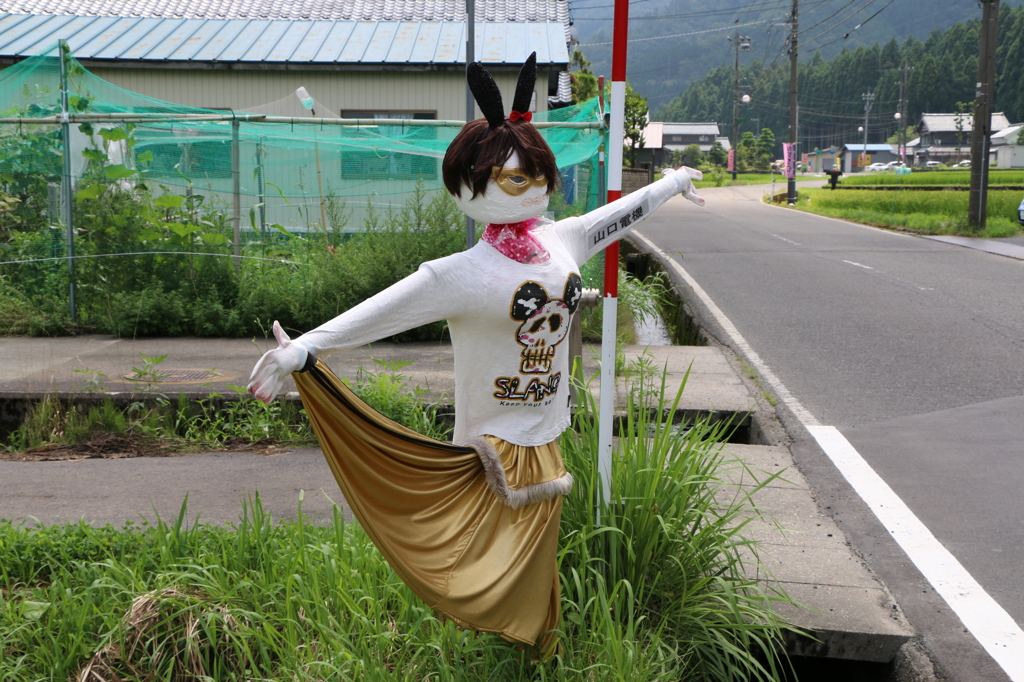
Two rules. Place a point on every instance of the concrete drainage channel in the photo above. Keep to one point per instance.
(860, 633)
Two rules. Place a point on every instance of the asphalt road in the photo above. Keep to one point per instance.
(914, 350)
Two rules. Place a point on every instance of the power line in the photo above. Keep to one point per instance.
(868, 19)
(728, 11)
(678, 35)
(850, 2)
(841, 21)
(847, 35)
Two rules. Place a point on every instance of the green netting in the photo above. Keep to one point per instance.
(285, 169)
(207, 197)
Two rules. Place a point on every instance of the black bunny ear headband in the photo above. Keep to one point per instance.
(488, 96)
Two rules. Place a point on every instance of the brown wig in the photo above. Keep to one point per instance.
(478, 147)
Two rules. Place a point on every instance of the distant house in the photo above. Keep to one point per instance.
(947, 137)
(822, 160)
(661, 139)
(854, 159)
(403, 58)
(1008, 153)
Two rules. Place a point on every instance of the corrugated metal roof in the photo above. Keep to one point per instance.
(655, 132)
(332, 10)
(1010, 132)
(945, 123)
(652, 135)
(564, 92)
(870, 147)
(690, 129)
(281, 40)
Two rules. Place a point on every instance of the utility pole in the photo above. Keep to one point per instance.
(793, 26)
(738, 42)
(869, 98)
(981, 136)
(901, 114)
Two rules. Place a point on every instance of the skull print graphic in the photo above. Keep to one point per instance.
(545, 322)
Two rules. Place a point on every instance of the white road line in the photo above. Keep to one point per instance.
(990, 624)
(859, 265)
(788, 241)
(986, 620)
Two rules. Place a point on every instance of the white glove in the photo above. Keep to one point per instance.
(685, 173)
(275, 366)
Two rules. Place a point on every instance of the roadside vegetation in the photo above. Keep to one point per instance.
(152, 260)
(939, 178)
(716, 177)
(150, 423)
(657, 588)
(905, 204)
(184, 282)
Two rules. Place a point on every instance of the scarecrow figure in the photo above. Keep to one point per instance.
(472, 526)
(833, 176)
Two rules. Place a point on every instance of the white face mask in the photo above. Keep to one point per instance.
(496, 206)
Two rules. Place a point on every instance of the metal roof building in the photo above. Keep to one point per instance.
(954, 123)
(379, 57)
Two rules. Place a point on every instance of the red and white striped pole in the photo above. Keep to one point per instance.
(616, 131)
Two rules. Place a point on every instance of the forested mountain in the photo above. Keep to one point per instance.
(673, 43)
(943, 73)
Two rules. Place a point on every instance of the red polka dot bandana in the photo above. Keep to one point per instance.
(515, 241)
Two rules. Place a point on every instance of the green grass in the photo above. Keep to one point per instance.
(716, 177)
(183, 424)
(656, 591)
(949, 178)
(724, 179)
(930, 212)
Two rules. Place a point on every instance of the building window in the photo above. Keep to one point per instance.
(207, 159)
(392, 165)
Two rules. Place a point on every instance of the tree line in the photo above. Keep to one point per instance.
(941, 73)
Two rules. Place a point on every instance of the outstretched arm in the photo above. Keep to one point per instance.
(418, 299)
(611, 222)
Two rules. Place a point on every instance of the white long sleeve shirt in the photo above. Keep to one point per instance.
(508, 320)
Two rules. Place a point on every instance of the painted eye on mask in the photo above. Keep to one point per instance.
(515, 181)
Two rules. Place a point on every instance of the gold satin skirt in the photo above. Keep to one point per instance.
(429, 510)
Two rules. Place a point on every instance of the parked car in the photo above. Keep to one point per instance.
(963, 164)
(1020, 213)
(894, 164)
(933, 164)
(877, 167)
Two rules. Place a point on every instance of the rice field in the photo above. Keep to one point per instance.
(931, 212)
(951, 178)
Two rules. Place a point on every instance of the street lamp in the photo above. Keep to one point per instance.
(738, 42)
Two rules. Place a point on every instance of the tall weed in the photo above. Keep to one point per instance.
(670, 547)
(333, 278)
